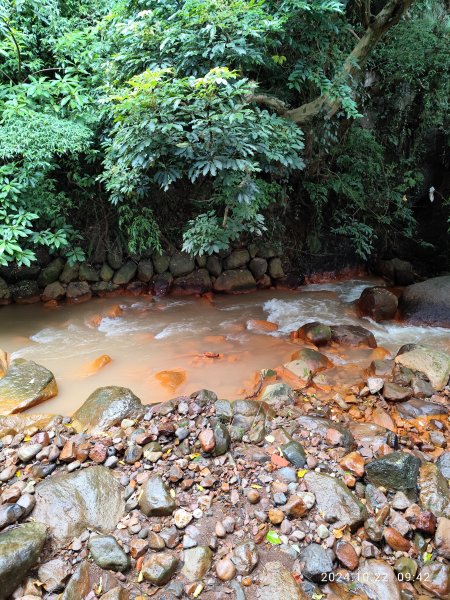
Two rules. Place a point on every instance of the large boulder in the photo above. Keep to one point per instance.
(197, 282)
(25, 423)
(399, 272)
(20, 550)
(26, 384)
(181, 264)
(378, 303)
(380, 579)
(433, 363)
(316, 333)
(236, 280)
(105, 407)
(126, 273)
(353, 335)
(277, 583)
(51, 272)
(335, 501)
(5, 293)
(70, 502)
(25, 292)
(428, 302)
(86, 578)
(237, 259)
(77, 292)
(395, 471)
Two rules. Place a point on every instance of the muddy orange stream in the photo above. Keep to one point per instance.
(172, 346)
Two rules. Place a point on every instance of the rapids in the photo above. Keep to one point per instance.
(166, 347)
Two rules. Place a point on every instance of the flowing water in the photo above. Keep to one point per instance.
(203, 344)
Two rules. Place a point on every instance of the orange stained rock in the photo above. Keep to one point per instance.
(171, 379)
(382, 418)
(97, 364)
(379, 353)
(353, 462)
(261, 325)
(94, 321)
(208, 297)
(278, 461)
(114, 311)
(51, 304)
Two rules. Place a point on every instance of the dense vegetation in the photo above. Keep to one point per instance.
(197, 122)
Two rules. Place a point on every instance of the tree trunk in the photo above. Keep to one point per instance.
(390, 15)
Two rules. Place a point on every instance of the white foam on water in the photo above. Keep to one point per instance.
(117, 326)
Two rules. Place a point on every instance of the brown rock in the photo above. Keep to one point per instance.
(98, 453)
(68, 452)
(426, 521)
(295, 507)
(207, 440)
(395, 540)
(276, 516)
(138, 547)
(346, 554)
(442, 537)
(225, 569)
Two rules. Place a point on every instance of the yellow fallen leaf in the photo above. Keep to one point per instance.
(19, 473)
(301, 473)
(140, 577)
(338, 533)
(195, 455)
(26, 438)
(256, 486)
(200, 488)
(198, 590)
(270, 439)
(172, 493)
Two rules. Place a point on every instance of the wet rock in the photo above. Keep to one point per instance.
(396, 393)
(353, 335)
(334, 500)
(417, 407)
(105, 407)
(53, 291)
(88, 273)
(5, 293)
(159, 568)
(237, 259)
(181, 264)
(375, 384)
(395, 540)
(295, 454)
(225, 569)
(258, 267)
(306, 362)
(428, 302)
(106, 273)
(29, 451)
(278, 395)
(316, 562)
(69, 273)
(182, 518)
(133, 454)
(20, 550)
(206, 439)
(126, 273)
(214, 266)
(107, 553)
(25, 292)
(155, 499)
(443, 463)
(378, 303)
(434, 491)
(77, 292)
(435, 578)
(161, 262)
(197, 282)
(346, 554)
(25, 384)
(53, 574)
(71, 502)
(277, 583)
(442, 537)
(222, 438)
(245, 557)
(237, 280)
(396, 471)
(197, 562)
(433, 363)
(316, 333)
(380, 579)
(276, 268)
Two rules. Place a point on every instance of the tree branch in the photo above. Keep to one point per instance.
(389, 16)
(265, 100)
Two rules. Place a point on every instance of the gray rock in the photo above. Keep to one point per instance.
(20, 550)
(53, 291)
(105, 407)
(353, 335)
(277, 583)
(276, 268)
(29, 451)
(78, 291)
(51, 272)
(25, 292)
(25, 384)
(214, 266)
(197, 562)
(278, 394)
(443, 463)
(159, 568)
(88, 273)
(69, 273)
(155, 499)
(197, 282)
(316, 562)
(237, 259)
(294, 452)
(161, 262)
(106, 273)
(5, 293)
(107, 553)
(434, 494)
(396, 471)
(126, 273)
(258, 267)
(245, 557)
(428, 302)
(9, 514)
(417, 407)
(71, 502)
(375, 384)
(433, 363)
(378, 303)
(222, 438)
(236, 280)
(319, 426)
(335, 501)
(181, 264)
(145, 270)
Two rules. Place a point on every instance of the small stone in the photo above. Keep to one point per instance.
(182, 518)
(322, 532)
(354, 463)
(107, 553)
(156, 542)
(245, 557)
(220, 530)
(28, 452)
(155, 499)
(197, 562)
(295, 507)
(159, 568)
(253, 496)
(98, 453)
(375, 384)
(346, 555)
(138, 547)
(207, 440)
(276, 516)
(316, 562)
(395, 540)
(225, 569)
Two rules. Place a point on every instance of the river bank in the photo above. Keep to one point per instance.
(297, 492)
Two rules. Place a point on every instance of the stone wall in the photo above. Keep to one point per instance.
(242, 270)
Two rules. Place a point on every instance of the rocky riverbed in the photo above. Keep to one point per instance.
(302, 490)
